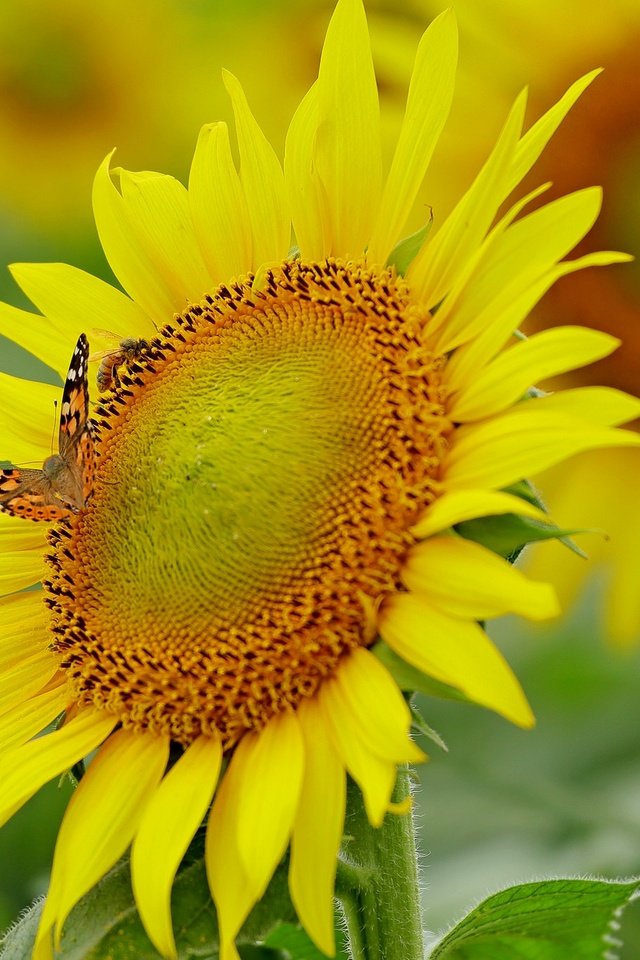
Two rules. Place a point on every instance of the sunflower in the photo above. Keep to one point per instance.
(280, 464)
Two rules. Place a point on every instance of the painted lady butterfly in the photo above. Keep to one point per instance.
(64, 483)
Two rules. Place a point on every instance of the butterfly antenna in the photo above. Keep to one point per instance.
(55, 421)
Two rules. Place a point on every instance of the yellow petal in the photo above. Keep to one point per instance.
(218, 206)
(368, 691)
(434, 272)
(466, 580)
(252, 819)
(435, 269)
(348, 152)
(75, 301)
(26, 677)
(157, 208)
(604, 406)
(127, 256)
(28, 418)
(24, 622)
(428, 105)
(495, 322)
(16, 535)
(468, 272)
(24, 769)
(375, 777)
(536, 138)
(38, 335)
(20, 724)
(460, 505)
(507, 378)
(171, 818)
(262, 181)
(456, 652)
(43, 947)
(312, 231)
(317, 830)
(493, 454)
(21, 569)
(101, 819)
(267, 805)
(515, 259)
(234, 892)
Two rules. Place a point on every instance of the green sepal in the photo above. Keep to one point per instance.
(75, 773)
(507, 534)
(404, 252)
(526, 491)
(419, 724)
(411, 678)
(548, 920)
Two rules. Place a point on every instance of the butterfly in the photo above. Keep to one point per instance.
(64, 483)
(124, 352)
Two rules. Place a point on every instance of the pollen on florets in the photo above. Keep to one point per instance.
(259, 470)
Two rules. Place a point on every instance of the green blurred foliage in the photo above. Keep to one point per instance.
(26, 849)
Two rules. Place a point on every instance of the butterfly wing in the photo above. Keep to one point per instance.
(74, 481)
(66, 478)
(74, 414)
(27, 494)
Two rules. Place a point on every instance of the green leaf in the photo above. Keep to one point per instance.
(294, 943)
(549, 920)
(105, 924)
(404, 252)
(17, 943)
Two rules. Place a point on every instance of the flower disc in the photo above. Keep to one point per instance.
(258, 476)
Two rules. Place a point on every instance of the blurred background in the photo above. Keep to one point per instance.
(78, 79)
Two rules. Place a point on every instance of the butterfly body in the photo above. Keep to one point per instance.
(64, 483)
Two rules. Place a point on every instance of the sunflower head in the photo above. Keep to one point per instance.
(267, 465)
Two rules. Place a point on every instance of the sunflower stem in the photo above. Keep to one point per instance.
(377, 882)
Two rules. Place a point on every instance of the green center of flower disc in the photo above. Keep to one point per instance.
(258, 474)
